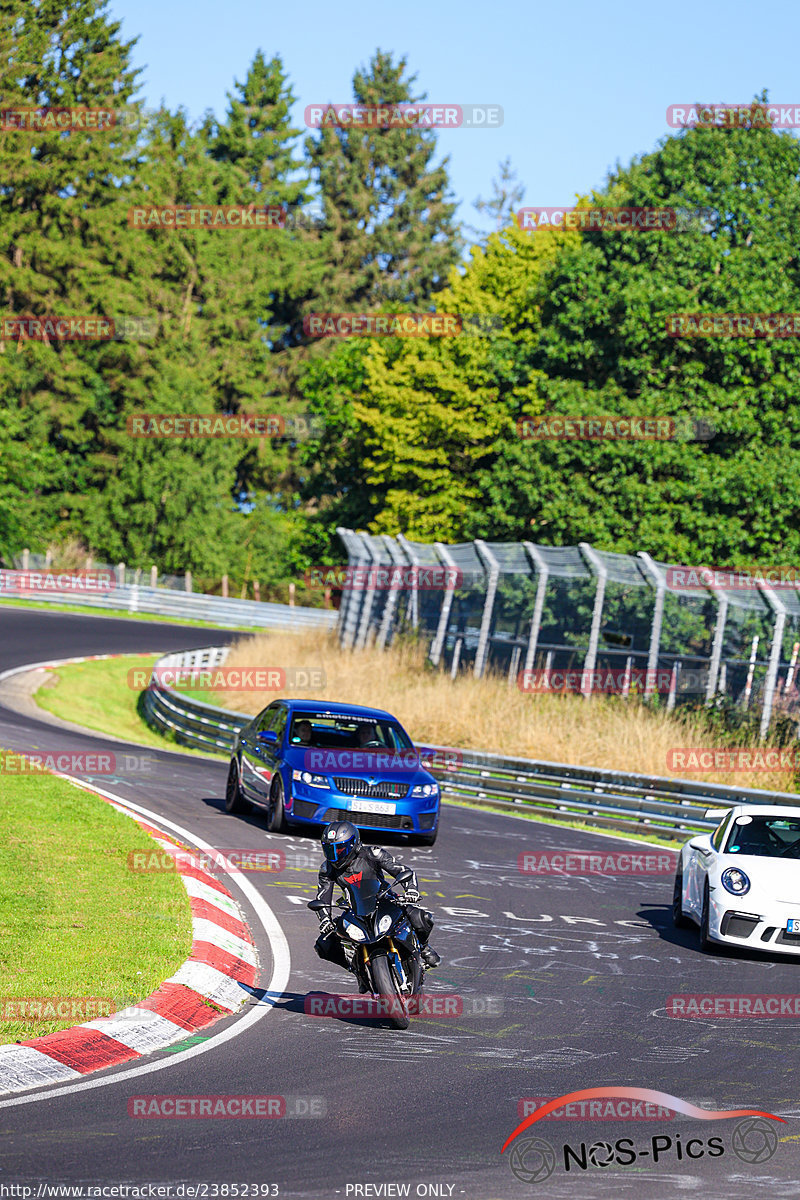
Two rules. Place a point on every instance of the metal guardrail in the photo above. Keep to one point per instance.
(617, 799)
(191, 606)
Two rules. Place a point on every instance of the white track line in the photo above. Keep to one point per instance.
(280, 972)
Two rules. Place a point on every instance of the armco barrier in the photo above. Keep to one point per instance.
(192, 606)
(617, 799)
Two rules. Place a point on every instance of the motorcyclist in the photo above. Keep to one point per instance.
(347, 864)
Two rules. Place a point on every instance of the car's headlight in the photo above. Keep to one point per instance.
(735, 881)
(426, 789)
(354, 932)
(384, 923)
(310, 780)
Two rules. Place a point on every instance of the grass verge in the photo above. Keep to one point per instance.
(75, 921)
(98, 696)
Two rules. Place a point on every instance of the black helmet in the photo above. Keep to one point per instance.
(341, 841)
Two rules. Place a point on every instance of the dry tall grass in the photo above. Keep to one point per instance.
(485, 714)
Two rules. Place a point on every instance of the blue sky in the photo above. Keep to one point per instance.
(583, 85)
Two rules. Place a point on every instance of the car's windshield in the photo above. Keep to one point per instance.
(766, 837)
(323, 731)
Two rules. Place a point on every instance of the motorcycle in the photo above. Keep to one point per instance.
(380, 945)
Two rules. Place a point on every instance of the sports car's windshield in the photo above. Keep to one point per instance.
(767, 837)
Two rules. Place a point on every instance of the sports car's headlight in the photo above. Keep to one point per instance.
(310, 780)
(425, 789)
(735, 881)
(354, 932)
(384, 923)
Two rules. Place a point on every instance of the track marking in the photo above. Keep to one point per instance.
(279, 948)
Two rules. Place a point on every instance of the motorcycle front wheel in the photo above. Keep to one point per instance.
(386, 987)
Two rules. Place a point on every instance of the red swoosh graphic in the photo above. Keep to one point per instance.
(647, 1094)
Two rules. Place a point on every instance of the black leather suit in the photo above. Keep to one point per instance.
(371, 862)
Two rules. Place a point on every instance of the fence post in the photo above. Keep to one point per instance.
(391, 600)
(716, 649)
(543, 572)
(601, 574)
(224, 587)
(187, 581)
(658, 580)
(292, 590)
(26, 558)
(779, 608)
(154, 576)
(366, 611)
(413, 558)
(437, 645)
(348, 609)
(486, 620)
(120, 574)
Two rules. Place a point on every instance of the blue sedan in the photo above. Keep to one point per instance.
(305, 763)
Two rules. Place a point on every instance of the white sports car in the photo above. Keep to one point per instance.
(741, 883)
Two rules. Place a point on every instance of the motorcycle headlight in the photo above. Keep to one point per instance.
(735, 881)
(318, 781)
(354, 932)
(425, 789)
(384, 923)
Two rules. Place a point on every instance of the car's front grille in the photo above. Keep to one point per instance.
(376, 820)
(304, 808)
(787, 939)
(382, 790)
(737, 925)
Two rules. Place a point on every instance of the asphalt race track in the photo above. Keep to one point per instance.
(564, 982)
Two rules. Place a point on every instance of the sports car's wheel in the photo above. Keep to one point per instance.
(706, 943)
(234, 800)
(276, 817)
(679, 920)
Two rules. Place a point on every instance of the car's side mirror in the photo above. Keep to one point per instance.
(695, 844)
(269, 736)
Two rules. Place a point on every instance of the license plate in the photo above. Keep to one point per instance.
(793, 925)
(373, 806)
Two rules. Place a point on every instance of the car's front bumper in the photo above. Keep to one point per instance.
(735, 922)
(409, 816)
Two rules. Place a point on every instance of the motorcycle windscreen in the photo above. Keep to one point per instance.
(362, 895)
